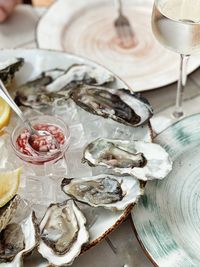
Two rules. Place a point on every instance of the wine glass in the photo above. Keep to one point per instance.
(176, 25)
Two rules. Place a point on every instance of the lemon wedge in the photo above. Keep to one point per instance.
(9, 183)
(5, 111)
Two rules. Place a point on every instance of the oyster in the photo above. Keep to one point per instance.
(30, 93)
(104, 190)
(63, 233)
(17, 240)
(118, 104)
(143, 160)
(8, 69)
(8, 211)
(57, 83)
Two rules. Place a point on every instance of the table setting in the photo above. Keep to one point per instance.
(99, 155)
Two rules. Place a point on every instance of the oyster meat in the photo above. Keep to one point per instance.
(63, 233)
(118, 104)
(104, 190)
(55, 84)
(143, 160)
(17, 240)
(8, 69)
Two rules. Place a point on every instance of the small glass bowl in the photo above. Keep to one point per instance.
(41, 159)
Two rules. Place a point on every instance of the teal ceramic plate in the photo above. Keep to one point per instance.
(167, 218)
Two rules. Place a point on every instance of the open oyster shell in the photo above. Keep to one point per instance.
(63, 233)
(143, 160)
(104, 190)
(56, 84)
(8, 69)
(30, 93)
(17, 240)
(118, 104)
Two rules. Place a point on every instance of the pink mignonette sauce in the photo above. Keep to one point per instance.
(40, 143)
(41, 149)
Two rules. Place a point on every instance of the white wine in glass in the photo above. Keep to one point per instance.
(176, 25)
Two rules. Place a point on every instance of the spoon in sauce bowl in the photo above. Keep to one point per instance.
(34, 134)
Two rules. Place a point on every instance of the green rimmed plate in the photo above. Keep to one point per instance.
(167, 217)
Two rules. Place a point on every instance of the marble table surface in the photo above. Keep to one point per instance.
(121, 248)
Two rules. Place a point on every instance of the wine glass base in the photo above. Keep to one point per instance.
(177, 114)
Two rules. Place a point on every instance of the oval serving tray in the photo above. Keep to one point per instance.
(84, 127)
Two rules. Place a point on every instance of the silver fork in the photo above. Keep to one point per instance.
(123, 28)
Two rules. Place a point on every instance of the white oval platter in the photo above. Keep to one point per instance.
(82, 131)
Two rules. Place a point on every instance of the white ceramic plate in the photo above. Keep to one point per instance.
(106, 221)
(167, 217)
(85, 27)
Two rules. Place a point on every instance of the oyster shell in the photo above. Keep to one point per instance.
(17, 240)
(118, 104)
(8, 69)
(30, 93)
(8, 211)
(53, 73)
(143, 160)
(104, 190)
(55, 84)
(63, 233)
(80, 74)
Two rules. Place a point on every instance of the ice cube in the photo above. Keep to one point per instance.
(75, 167)
(77, 137)
(66, 110)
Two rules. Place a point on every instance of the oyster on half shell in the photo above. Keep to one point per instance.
(63, 233)
(118, 104)
(104, 190)
(143, 160)
(31, 93)
(56, 84)
(17, 240)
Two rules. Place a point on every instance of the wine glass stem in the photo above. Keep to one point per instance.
(178, 113)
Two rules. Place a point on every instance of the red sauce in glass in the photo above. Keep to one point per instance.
(40, 143)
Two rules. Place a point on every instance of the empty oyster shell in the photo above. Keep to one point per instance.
(143, 160)
(104, 190)
(63, 233)
(80, 74)
(118, 104)
(8, 69)
(17, 240)
(8, 211)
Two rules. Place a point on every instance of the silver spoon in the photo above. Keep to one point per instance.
(6, 96)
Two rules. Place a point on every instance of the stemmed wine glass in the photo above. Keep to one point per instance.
(176, 25)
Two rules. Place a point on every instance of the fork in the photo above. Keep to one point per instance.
(124, 29)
